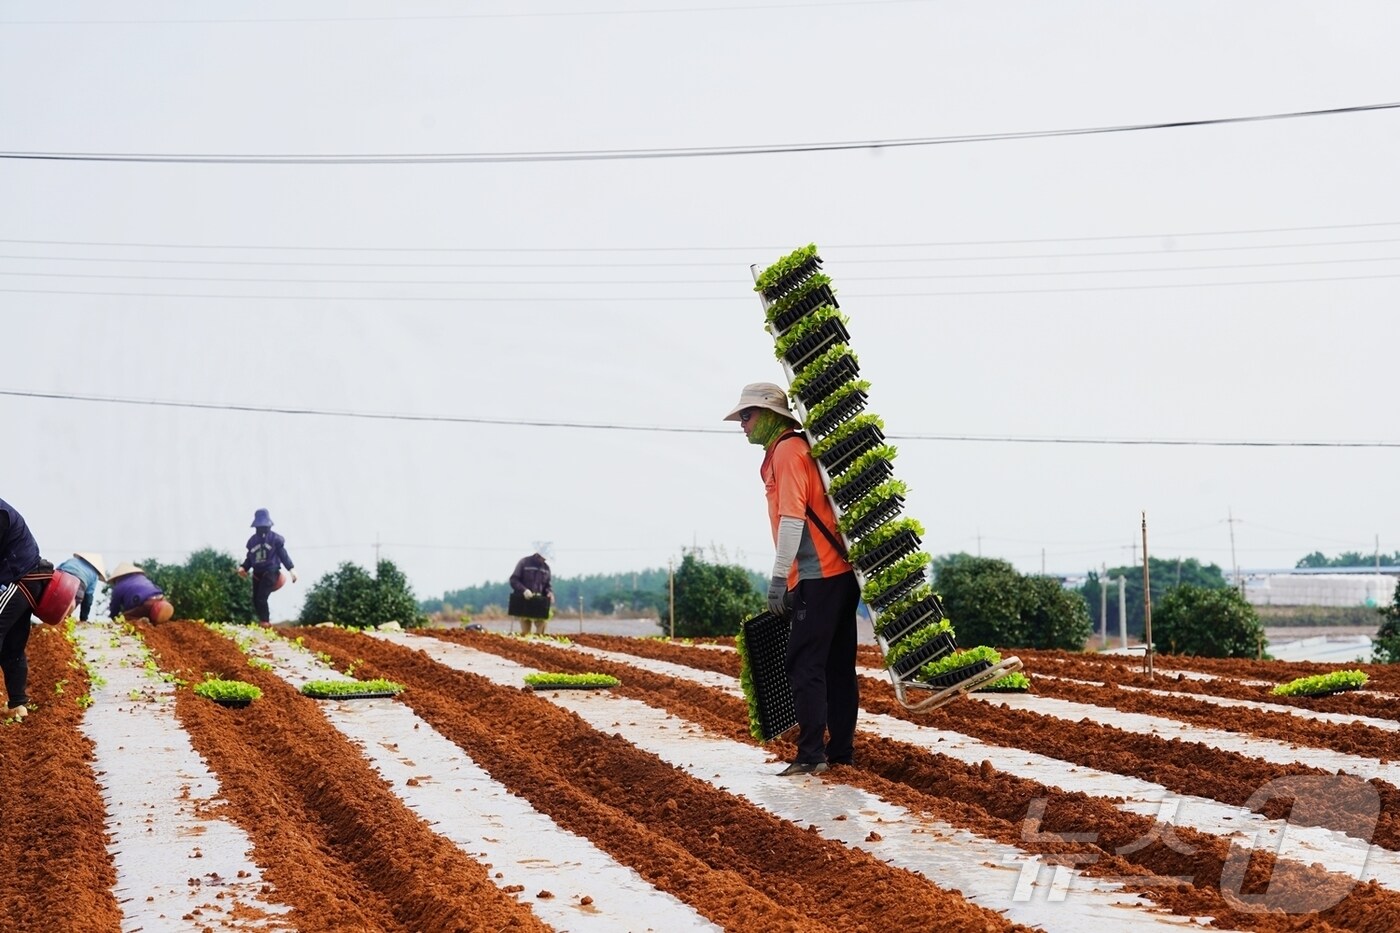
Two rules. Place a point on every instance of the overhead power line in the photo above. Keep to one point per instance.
(668, 429)
(691, 152)
(661, 299)
(700, 249)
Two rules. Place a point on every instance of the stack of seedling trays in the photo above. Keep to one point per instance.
(813, 344)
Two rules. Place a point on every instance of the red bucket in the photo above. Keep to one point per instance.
(281, 580)
(57, 601)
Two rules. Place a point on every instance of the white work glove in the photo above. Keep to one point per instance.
(528, 594)
(777, 597)
(294, 575)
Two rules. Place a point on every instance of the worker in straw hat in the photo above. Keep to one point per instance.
(29, 586)
(88, 568)
(812, 582)
(267, 555)
(134, 596)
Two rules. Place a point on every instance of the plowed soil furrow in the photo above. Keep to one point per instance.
(995, 804)
(1065, 664)
(340, 848)
(53, 844)
(1184, 767)
(735, 863)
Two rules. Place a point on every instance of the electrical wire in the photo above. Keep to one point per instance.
(697, 249)
(668, 429)
(729, 283)
(692, 152)
(661, 299)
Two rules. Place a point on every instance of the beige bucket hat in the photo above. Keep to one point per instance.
(762, 395)
(94, 561)
(123, 569)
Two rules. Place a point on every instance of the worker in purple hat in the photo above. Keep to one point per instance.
(267, 555)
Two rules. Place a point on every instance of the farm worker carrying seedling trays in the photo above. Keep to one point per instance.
(812, 582)
(267, 555)
(29, 585)
(532, 593)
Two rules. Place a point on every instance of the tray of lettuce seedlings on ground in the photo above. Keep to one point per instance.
(1322, 685)
(811, 339)
(351, 689)
(562, 681)
(235, 693)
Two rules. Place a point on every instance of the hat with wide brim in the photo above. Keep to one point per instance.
(762, 395)
(94, 561)
(262, 519)
(125, 568)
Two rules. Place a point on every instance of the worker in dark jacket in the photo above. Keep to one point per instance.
(532, 593)
(25, 580)
(267, 555)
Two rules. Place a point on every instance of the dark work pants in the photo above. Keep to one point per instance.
(14, 638)
(821, 665)
(262, 589)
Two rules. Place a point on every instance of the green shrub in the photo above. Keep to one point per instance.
(1206, 622)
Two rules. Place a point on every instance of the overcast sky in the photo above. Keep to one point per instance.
(999, 292)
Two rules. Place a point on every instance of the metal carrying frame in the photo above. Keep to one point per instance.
(903, 686)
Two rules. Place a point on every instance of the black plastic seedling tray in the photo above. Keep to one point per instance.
(826, 334)
(766, 642)
(902, 588)
(840, 372)
(926, 610)
(931, 650)
(793, 279)
(957, 675)
(850, 406)
(870, 476)
(845, 451)
(814, 299)
(906, 542)
(357, 695)
(881, 513)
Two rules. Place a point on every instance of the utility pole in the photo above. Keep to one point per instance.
(1146, 597)
(1042, 562)
(376, 551)
(580, 613)
(1232, 561)
(1103, 607)
(671, 587)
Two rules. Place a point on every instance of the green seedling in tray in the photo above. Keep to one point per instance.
(867, 503)
(227, 692)
(785, 266)
(830, 403)
(819, 365)
(562, 681)
(957, 659)
(876, 586)
(1322, 684)
(895, 609)
(802, 328)
(883, 452)
(884, 533)
(747, 686)
(822, 447)
(350, 689)
(1015, 682)
(916, 641)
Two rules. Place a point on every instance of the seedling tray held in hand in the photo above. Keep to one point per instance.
(766, 642)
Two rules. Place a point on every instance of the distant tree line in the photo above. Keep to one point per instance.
(1317, 561)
